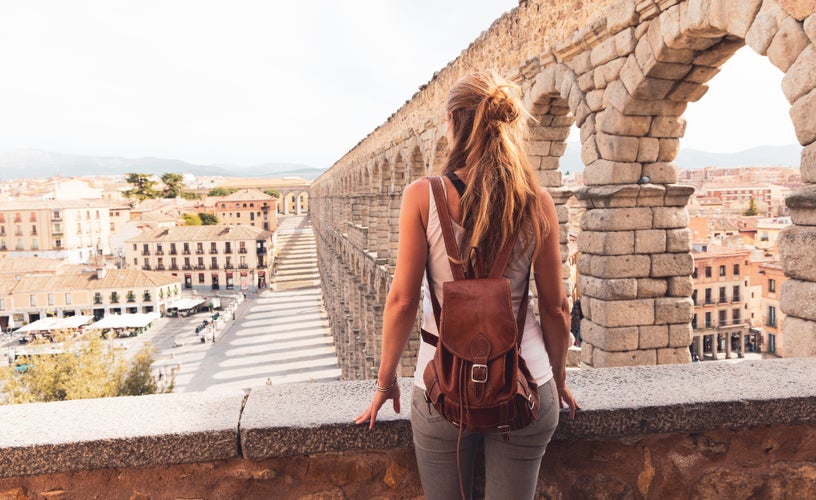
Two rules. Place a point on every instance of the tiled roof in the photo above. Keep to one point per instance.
(17, 265)
(126, 278)
(114, 278)
(218, 232)
(247, 195)
(22, 205)
(249, 183)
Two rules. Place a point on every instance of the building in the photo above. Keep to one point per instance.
(770, 277)
(96, 293)
(720, 322)
(74, 230)
(767, 231)
(294, 191)
(247, 206)
(207, 257)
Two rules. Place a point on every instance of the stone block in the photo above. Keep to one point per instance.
(661, 172)
(604, 172)
(620, 15)
(650, 241)
(617, 219)
(586, 352)
(670, 218)
(732, 17)
(653, 336)
(687, 92)
(761, 33)
(648, 149)
(673, 355)
(648, 288)
(665, 265)
(800, 9)
(606, 242)
(610, 339)
(799, 339)
(802, 205)
(669, 148)
(604, 52)
(606, 359)
(619, 266)
(608, 289)
(790, 40)
(586, 82)
(719, 53)
(701, 74)
(680, 335)
(612, 121)
(798, 298)
(673, 310)
(810, 27)
(808, 164)
(594, 100)
(625, 42)
(617, 96)
(667, 126)
(618, 313)
(651, 195)
(650, 89)
(677, 195)
(617, 148)
(802, 113)
(589, 151)
(538, 148)
(549, 178)
(678, 240)
(584, 265)
(557, 148)
(548, 162)
(680, 286)
(801, 77)
(563, 212)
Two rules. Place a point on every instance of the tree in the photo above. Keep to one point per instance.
(191, 219)
(221, 191)
(752, 208)
(208, 219)
(144, 187)
(173, 185)
(86, 369)
(272, 192)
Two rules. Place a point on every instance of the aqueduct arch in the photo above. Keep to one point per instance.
(623, 72)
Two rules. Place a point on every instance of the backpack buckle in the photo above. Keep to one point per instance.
(478, 373)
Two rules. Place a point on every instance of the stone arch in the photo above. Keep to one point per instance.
(386, 176)
(399, 172)
(440, 154)
(416, 165)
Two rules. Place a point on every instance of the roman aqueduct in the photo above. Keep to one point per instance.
(623, 72)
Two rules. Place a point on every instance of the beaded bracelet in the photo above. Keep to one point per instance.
(387, 389)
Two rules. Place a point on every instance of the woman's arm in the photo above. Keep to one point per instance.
(553, 306)
(401, 305)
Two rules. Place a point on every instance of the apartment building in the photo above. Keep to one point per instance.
(249, 207)
(206, 257)
(74, 230)
(96, 293)
(769, 277)
(720, 322)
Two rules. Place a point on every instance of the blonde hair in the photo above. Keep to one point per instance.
(502, 196)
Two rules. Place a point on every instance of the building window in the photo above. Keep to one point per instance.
(694, 297)
(201, 278)
(58, 243)
(50, 299)
(771, 343)
(694, 322)
(722, 270)
(708, 271)
(708, 299)
(2, 304)
(694, 273)
(772, 285)
(68, 299)
(723, 296)
(35, 245)
(708, 320)
(771, 317)
(735, 315)
(736, 294)
(736, 270)
(32, 300)
(723, 317)
(97, 298)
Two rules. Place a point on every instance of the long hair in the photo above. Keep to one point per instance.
(489, 128)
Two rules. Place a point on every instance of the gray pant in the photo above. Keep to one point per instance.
(511, 469)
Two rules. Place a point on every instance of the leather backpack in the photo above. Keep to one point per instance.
(477, 380)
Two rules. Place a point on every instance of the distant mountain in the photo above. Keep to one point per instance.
(31, 163)
(759, 156)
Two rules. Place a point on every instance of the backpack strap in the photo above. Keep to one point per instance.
(496, 271)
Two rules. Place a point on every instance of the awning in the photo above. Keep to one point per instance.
(184, 304)
(49, 324)
(137, 320)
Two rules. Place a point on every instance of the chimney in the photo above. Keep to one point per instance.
(101, 272)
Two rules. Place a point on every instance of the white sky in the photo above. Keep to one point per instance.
(250, 82)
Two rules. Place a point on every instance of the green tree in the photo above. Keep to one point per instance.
(752, 208)
(273, 192)
(208, 219)
(82, 369)
(144, 187)
(187, 195)
(221, 191)
(191, 219)
(173, 185)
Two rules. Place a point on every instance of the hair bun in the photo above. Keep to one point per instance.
(502, 107)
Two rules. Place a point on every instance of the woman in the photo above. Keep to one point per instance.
(485, 128)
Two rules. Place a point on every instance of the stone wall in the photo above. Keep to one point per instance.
(623, 72)
(708, 430)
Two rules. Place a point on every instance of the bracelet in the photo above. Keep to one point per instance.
(388, 388)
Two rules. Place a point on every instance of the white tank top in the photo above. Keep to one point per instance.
(533, 349)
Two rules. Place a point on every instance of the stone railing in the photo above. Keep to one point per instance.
(706, 430)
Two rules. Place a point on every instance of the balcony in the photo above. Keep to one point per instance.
(213, 266)
(186, 251)
(57, 232)
(146, 267)
(200, 267)
(243, 266)
(213, 250)
(242, 250)
(159, 252)
(160, 267)
(228, 266)
(145, 252)
(173, 251)
(187, 267)
(18, 232)
(228, 251)
(199, 251)
(255, 433)
(173, 267)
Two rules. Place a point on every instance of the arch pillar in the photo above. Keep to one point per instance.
(635, 274)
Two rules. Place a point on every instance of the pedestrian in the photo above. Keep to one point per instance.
(499, 197)
(575, 321)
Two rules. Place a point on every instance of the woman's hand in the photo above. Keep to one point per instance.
(379, 399)
(565, 397)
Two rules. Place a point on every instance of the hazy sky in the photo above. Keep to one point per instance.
(250, 82)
